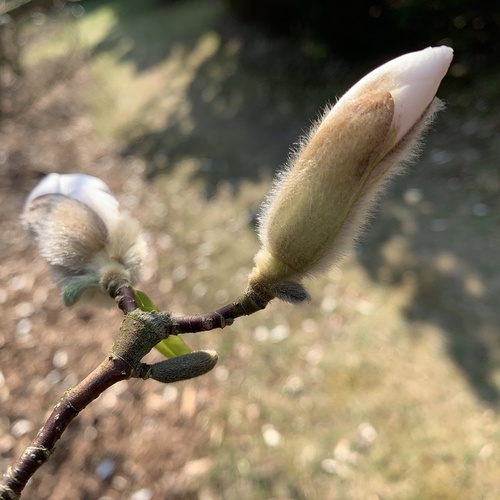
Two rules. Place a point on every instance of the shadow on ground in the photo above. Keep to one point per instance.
(437, 237)
(250, 100)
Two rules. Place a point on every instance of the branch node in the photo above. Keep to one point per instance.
(142, 370)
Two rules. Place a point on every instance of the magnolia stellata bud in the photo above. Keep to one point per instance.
(79, 230)
(320, 202)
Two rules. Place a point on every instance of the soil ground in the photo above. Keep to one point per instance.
(385, 386)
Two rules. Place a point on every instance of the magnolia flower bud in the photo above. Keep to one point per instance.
(79, 230)
(320, 202)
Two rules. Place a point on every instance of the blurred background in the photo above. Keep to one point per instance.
(387, 384)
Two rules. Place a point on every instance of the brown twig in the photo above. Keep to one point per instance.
(125, 298)
(252, 301)
(109, 372)
(139, 333)
(112, 370)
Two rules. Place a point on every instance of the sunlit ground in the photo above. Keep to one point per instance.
(386, 385)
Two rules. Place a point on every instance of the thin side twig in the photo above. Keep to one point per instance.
(249, 303)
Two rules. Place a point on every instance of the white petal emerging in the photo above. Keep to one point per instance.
(412, 80)
(90, 190)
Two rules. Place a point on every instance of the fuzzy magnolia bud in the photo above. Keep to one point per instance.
(79, 230)
(321, 201)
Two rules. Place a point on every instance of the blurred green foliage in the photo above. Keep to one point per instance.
(363, 28)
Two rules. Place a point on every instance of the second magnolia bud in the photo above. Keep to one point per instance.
(80, 232)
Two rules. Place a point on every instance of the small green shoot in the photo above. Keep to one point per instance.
(173, 346)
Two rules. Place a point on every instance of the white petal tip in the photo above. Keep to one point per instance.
(87, 189)
(416, 78)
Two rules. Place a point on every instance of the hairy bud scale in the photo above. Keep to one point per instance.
(322, 199)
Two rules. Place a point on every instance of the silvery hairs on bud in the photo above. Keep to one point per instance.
(87, 245)
(333, 228)
(322, 200)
